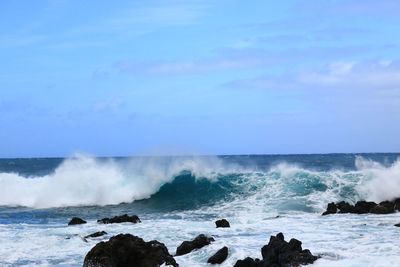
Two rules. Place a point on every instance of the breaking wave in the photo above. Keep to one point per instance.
(190, 182)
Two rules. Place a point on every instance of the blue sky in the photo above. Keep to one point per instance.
(207, 77)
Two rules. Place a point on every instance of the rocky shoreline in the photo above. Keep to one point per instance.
(363, 207)
(128, 250)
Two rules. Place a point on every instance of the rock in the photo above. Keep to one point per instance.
(345, 207)
(362, 207)
(188, 246)
(219, 257)
(120, 219)
(397, 225)
(278, 252)
(397, 204)
(389, 205)
(248, 262)
(97, 234)
(331, 209)
(76, 220)
(126, 250)
(280, 236)
(379, 209)
(222, 223)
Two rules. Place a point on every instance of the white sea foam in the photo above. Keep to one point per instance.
(84, 180)
(380, 182)
(341, 240)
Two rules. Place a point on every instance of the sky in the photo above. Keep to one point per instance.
(199, 77)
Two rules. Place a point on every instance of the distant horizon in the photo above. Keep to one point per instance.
(76, 155)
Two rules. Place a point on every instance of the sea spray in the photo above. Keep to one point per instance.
(188, 182)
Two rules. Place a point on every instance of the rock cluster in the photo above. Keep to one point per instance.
(128, 250)
(120, 219)
(279, 252)
(362, 207)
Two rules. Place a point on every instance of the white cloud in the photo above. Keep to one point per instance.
(377, 74)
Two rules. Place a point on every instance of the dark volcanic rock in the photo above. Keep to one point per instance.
(331, 209)
(97, 234)
(222, 223)
(362, 207)
(125, 250)
(389, 205)
(120, 219)
(219, 257)
(397, 204)
(199, 242)
(380, 209)
(248, 262)
(278, 252)
(345, 207)
(76, 220)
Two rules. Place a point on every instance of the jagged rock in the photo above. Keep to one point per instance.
(76, 220)
(120, 219)
(248, 262)
(222, 223)
(331, 209)
(362, 207)
(97, 234)
(188, 246)
(125, 250)
(278, 252)
(219, 257)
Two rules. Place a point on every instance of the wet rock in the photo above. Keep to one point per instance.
(362, 207)
(188, 246)
(389, 205)
(120, 219)
(397, 204)
(331, 209)
(97, 234)
(345, 207)
(380, 209)
(248, 262)
(76, 220)
(278, 252)
(219, 257)
(222, 223)
(126, 250)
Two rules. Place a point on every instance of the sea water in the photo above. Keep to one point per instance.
(178, 198)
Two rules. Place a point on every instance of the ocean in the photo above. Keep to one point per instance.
(178, 198)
